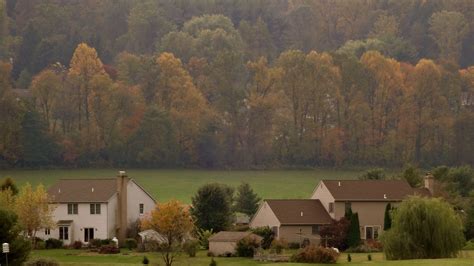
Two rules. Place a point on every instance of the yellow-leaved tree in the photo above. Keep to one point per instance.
(34, 211)
(173, 221)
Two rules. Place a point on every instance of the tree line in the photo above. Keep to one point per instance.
(240, 90)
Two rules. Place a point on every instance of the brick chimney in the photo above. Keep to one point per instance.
(121, 218)
(429, 182)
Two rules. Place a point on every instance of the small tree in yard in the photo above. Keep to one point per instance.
(33, 210)
(373, 174)
(9, 233)
(173, 222)
(412, 175)
(423, 228)
(9, 184)
(247, 200)
(212, 207)
(335, 234)
(353, 234)
(387, 221)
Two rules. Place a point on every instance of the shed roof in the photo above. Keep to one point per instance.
(368, 190)
(230, 236)
(299, 211)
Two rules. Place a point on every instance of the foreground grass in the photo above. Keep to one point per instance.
(82, 257)
(182, 184)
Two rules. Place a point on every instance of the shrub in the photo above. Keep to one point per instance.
(203, 237)
(315, 254)
(76, 245)
(267, 234)
(53, 243)
(40, 245)
(369, 257)
(294, 245)
(469, 245)
(213, 262)
(191, 247)
(107, 241)
(367, 246)
(42, 262)
(95, 243)
(349, 258)
(130, 243)
(279, 245)
(109, 249)
(246, 247)
(210, 254)
(145, 260)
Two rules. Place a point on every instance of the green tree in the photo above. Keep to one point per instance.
(448, 29)
(246, 200)
(412, 175)
(387, 219)
(353, 234)
(423, 228)
(10, 233)
(212, 207)
(373, 174)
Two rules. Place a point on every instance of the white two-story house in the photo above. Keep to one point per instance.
(88, 209)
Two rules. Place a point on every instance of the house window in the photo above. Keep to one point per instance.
(95, 208)
(331, 207)
(315, 229)
(72, 208)
(372, 232)
(64, 233)
(142, 208)
(347, 207)
(47, 231)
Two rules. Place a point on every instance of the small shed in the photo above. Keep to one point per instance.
(224, 242)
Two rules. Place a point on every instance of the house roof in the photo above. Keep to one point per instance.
(230, 236)
(299, 211)
(368, 190)
(83, 190)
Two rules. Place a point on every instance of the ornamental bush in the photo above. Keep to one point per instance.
(315, 254)
(246, 247)
(423, 228)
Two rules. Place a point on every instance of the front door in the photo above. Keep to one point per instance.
(369, 232)
(88, 234)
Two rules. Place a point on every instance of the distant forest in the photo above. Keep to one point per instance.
(236, 83)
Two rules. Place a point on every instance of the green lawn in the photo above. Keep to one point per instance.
(182, 184)
(79, 257)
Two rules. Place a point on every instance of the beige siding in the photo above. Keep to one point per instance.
(297, 233)
(135, 196)
(221, 248)
(370, 213)
(264, 217)
(322, 194)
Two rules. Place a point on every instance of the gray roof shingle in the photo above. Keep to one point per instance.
(83, 190)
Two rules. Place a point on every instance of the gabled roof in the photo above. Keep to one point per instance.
(299, 211)
(229, 236)
(368, 190)
(83, 190)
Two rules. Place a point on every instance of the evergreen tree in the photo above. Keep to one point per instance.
(212, 207)
(10, 233)
(38, 147)
(353, 235)
(387, 222)
(247, 200)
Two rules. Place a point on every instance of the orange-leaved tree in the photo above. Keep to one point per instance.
(173, 222)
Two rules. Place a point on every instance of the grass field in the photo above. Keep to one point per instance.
(182, 184)
(79, 257)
